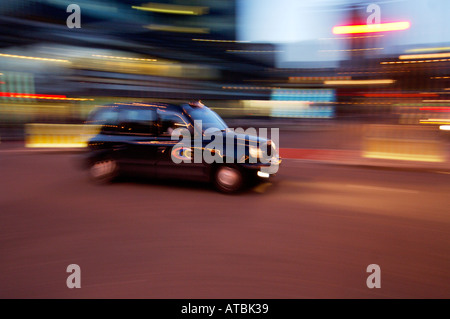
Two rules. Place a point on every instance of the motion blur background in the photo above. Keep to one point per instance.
(247, 59)
(378, 101)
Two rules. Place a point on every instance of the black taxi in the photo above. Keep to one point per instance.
(176, 141)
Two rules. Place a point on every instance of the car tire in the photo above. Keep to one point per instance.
(228, 179)
(103, 170)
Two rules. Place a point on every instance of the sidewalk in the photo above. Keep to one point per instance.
(324, 156)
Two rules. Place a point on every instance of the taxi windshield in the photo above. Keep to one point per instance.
(209, 119)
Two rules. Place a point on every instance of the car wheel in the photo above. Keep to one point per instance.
(228, 179)
(103, 170)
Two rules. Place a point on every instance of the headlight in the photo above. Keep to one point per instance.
(255, 151)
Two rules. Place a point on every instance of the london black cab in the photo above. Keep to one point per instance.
(176, 141)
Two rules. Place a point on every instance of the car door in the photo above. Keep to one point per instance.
(169, 148)
(136, 141)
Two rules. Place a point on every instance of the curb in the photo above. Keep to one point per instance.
(23, 150)
(385, 166)
(355, 158)
(322, 156)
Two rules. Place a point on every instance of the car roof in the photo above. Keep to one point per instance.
(157, 105)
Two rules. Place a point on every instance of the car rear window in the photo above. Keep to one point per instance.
(138, 121)
(103, 116)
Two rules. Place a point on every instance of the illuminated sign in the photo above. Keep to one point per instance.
(370, 28)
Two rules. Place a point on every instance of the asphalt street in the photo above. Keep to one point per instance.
(309, 233)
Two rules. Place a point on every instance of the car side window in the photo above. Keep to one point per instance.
(138, 121)
(106, 117)
(168, 121)
(103, 116)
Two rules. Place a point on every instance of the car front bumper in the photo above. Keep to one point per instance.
(265, 170)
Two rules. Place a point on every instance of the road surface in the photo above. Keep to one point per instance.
(310, 233)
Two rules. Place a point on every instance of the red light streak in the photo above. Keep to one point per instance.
(32, 96)
(435, 109)
(401, 95)
(370, 28)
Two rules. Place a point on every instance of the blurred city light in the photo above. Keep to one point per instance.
(343, 95)
(370, 28)
(358, 82)
(427, 49)
(32, 58)
(425, 56)
(266, 61)
(172, 8)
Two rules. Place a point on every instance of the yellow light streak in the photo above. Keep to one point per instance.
(123, 58)
(435, 121)
(172, 9)
(32, 58)
(169, 28)
(424, 56)
(427, 49)
(419, 61)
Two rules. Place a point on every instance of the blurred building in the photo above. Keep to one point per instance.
(132, 49)
(151, 43)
